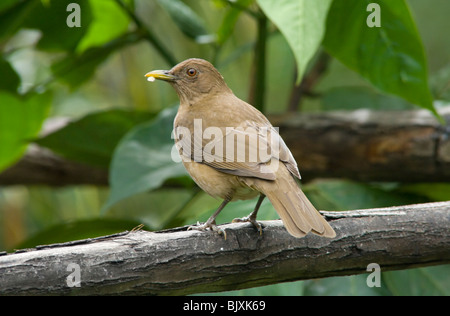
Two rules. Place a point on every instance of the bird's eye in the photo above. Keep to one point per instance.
(191, 72)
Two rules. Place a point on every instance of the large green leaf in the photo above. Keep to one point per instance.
(109, 21)
(93, 138)
(302, 23)
(391, 57)
(50, 18)
(142, 161)
(20, 121)
(56, 34)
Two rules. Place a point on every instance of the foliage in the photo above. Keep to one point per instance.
(21, 118)
(302, 23)
(131, 169)
(48, 69)
(381, 55)
(103, 129)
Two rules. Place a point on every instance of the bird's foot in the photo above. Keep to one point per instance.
(249, 219)
(209, 225)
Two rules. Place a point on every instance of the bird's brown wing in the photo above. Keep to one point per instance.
(249, 150)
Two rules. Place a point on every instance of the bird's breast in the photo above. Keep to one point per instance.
(219, 184)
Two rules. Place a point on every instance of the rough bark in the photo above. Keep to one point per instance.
(400, 146)
(186, 262)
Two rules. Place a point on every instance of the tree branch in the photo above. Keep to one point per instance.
(396, 146)
(186, 262)
(41, 166)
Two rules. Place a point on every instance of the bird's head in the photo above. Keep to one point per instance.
(192, 79)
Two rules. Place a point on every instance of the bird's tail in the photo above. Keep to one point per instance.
(299, 216)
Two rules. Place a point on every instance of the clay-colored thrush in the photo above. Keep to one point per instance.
(233, 152)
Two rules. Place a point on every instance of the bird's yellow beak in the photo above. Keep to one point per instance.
(161, 75)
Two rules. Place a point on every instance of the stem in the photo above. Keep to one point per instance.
(148, 35)
(308, 82)
(258, 85)
(243, 8)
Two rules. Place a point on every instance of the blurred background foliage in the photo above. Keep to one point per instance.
(94, 75)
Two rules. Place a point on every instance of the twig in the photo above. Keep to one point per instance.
(250, 12)
(308, 82)
(148, 35)
(258, 84)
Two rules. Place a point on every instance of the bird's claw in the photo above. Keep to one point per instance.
(211, 226)
(249, 219)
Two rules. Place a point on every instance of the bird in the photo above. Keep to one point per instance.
(232, 151)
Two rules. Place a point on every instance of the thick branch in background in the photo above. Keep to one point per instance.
(41, 166)
(186, 262)
(397, 146)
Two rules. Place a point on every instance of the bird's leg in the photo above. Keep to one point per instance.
(252, 217)
(211, 222)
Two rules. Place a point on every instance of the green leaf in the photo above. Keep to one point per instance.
(239, 209)
(109, 21)
(76, 69)
(433, 191)
(340, 195)
(198, 207)
(203, 206)
(7, 4)
(20, 121)
(189, 22)
(440, 83)
(154, 209)
(227, 26)
(56, 34)
(391, 57)
(14, 15)
(94, 137)
(419, 282)
(9, 80)
(142, 161)
(302, 23)
(352, 98)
